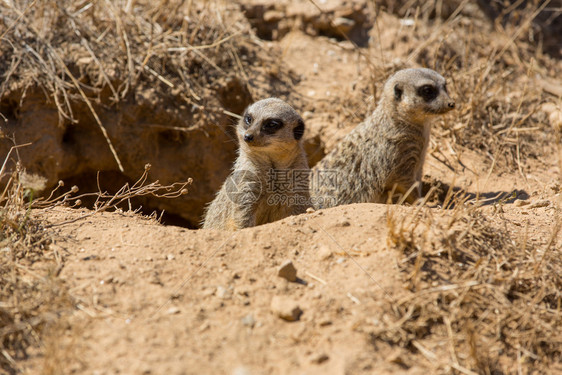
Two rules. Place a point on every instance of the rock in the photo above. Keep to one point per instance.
(520, 202)
(324, 252)
(310, 210)
(325, 322)
(343, 223)
(223, 292)
(554, 113)
(319, 358)
(272, 16)
(241, 371)
(344, 24)
(173, 310)
(248, 321)
(307, 115)
(555, 119)
(286, 308)
(288, 271)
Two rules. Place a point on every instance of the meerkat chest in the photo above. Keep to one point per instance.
(271, 209)
(281, 191)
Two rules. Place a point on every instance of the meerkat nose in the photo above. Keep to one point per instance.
(451, 105)
(248, 137)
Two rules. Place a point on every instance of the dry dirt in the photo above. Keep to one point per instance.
(150, 298)
(163, 299)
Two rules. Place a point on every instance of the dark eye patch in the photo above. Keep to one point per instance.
(397, 92)
(271, 125)
(298, 131)
(428, 92)
(248, 120)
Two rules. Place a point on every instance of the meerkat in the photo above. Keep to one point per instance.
(270, 178)
(386, 152)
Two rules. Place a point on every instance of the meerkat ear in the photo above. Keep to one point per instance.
(398, 92)
(298, 131)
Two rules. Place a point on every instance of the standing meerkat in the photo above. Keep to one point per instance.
(270, 177)
(386, 152)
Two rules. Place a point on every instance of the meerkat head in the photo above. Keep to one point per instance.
(270, 125)
(417, 94)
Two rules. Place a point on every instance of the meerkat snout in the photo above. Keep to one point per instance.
(248, 137)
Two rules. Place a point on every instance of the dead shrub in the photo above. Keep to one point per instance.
(482, 300)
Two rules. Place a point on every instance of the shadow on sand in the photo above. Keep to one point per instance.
(446, 195)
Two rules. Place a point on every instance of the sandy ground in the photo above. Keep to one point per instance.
(162, 299)
(155, 299)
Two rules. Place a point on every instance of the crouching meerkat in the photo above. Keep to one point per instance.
(386, 152)
(270, 178)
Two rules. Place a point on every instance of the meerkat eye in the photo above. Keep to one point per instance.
(248, 119)
(428, 92)
(271, 125)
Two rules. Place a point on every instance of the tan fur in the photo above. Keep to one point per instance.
(386, 152)
(263, 171)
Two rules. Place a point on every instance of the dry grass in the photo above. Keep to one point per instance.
(108, 48)
(104, 201)
(92, 56)
(495, 70)
(483, 299)
(31, 295)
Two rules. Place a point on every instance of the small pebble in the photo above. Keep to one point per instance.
(288, 271)
(248, 320)
(319, 358)
(273, 16)
(173, 310)
(324, 252)
(325, 322)
(520, 202)
(307, 115)
(286, 308)
(554, 113)
(241, 371)
(223, 293)
(343, 223)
